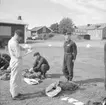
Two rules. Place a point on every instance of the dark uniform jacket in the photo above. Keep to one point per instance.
(70, 48)
(105, 63)
(39, 62)
(4, 60)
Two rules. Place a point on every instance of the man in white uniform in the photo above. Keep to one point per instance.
(15, 51)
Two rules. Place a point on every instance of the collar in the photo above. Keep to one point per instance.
(68, 41)
(14, 39)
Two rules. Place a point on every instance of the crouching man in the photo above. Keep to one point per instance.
(4, 61)
(41, 65)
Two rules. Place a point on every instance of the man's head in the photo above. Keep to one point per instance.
(18, 35)
(37, 54)
(67, 37)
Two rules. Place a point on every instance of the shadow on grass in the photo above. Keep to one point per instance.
(58, 76)
(93, 80)
(88, 81)
(55, 75)
(34, 95)
(67, 92)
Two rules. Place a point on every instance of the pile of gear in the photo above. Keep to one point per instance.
(5, 74)
(103, 102)
(31, 75)
(55, 88)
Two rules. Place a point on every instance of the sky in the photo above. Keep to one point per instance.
(46, 12)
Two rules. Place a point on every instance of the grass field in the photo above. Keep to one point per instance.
(88, 72)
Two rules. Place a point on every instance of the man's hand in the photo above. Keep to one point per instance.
(27, 46)
(31, 70)
(29, 49)
(73, 60)
(2, 68)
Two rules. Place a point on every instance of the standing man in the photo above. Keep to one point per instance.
(15, 51)
(70, 53)
(105, 64)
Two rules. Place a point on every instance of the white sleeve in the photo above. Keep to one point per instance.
(16, 50)
(22, 48)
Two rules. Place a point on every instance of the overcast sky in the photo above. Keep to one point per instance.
(46, 12)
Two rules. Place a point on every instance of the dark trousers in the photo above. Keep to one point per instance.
(68, 66)
(43, 69)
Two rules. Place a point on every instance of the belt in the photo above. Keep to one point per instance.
(69, 53)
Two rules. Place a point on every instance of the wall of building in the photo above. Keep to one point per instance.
(13, 27)
(104, 33)
(43, 30)
(48, 31)
(95, 34)
(40, 31)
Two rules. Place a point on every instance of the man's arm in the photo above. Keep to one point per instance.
(105, 53)
(35, 63)
(40, 63)
(5, 66)
(2, 62)
(16, 51)
(74, 51)
(5, 60)
(22, 48)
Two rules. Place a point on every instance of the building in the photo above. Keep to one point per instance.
(7, 28)
(37, 31)
(96, 31)
(80, 30)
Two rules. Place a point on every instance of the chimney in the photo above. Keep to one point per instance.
(19, 18)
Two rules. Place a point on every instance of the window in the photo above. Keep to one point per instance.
(5, 30)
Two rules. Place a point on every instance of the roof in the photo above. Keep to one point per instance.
(93, 26)
(12, 21)
(38, 28)
(82, 27)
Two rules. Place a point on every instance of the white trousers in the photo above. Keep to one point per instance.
(16, 78)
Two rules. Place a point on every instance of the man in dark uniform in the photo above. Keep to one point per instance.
(105, 64)
(70, 53)
(4, 61)
(4, 66)
(41, 65)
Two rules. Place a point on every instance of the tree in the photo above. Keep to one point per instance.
(54, 27)
(66, 26)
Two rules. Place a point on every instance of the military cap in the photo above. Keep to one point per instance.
(37, 53)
